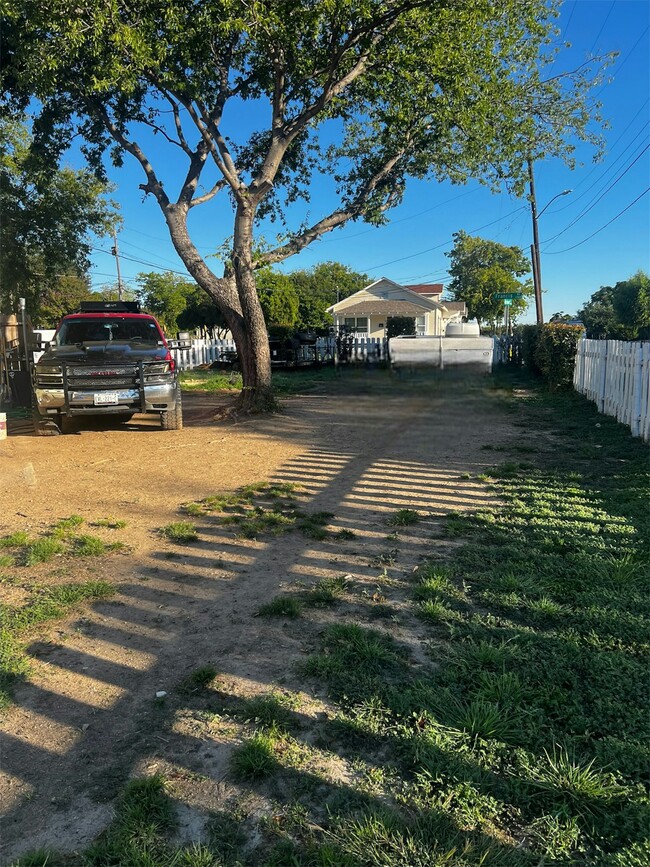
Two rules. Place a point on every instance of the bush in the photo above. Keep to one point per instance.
(550, 350)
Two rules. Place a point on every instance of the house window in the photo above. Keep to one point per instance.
(420, 325)
(356, 324)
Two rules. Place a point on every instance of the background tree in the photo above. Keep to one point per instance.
(480, 270)
(397, 326)
(47, 218)
(165, 296)
(620, 312)
(319, 288)
(410, 89)
(278, 298)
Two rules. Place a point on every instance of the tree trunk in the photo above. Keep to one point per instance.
(236, 297)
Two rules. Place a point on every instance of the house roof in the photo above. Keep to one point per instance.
(425, 288)
(453, 306)
(386, 292)
(384, 308)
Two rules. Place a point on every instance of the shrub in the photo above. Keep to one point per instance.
(550, 351)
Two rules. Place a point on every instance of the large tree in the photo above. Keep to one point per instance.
(620, 312)
(481, 270)
(319, 288)
(48, 216)
(442, 89)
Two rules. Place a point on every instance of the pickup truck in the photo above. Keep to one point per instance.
(106, 359)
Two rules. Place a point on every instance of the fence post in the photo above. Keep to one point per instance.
(602, 389)
(637, 387)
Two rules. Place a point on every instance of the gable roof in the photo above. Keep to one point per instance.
(426, 288)
(385, 291)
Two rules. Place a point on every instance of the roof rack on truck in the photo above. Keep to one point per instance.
(109, 307)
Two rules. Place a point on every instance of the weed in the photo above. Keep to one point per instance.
(88, 546)
(6, 561)
(575, 788)
(42, 550)
(326, 592)
(16, 540)
(281, 606)
(404, 518)
(181, 532)
(109, 523)
(67, 525)
(255, 758)
(198, 681)
(345, 535)
(269, 711)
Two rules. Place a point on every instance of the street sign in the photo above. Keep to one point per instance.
(507, 302)
(508, 296)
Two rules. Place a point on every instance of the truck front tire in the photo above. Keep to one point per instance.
(172, 419)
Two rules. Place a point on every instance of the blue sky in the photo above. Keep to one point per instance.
(411, 248)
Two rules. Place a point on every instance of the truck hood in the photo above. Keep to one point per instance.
(107, 352)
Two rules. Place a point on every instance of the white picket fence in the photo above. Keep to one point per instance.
(207, 351)
(202, 351)
(616, 376)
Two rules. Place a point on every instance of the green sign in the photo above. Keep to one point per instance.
(508, 296)
(507, 302)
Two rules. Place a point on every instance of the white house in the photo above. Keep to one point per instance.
(367, 312)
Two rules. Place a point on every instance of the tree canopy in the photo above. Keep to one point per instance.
(278, 298)
(319, 288)
(47, 217)
(620, 312)
(482, 269)
(246, 93)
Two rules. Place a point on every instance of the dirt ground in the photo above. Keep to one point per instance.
(85, 720)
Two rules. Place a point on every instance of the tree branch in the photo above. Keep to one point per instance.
(336, 218)
(200, 200)
(153, 185)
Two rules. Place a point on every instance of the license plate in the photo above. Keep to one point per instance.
(105, 397)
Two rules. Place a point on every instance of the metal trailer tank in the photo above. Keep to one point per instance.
(462, 346)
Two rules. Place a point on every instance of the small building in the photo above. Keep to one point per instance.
(367, 312)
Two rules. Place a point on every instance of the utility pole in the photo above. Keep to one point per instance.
(534, 250)
(534, 247)
(115, 251)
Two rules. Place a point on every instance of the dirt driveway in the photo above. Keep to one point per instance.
(85, 720)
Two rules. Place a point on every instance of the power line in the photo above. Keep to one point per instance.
(444, 243)
(591, 50)
(595, 201)
(584, 240)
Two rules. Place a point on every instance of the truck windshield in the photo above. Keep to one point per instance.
(88, 330)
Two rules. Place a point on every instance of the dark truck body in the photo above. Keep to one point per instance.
(106, 361)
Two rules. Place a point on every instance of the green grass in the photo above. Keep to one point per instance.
(263, 509)
(255, 758)
(498, 721)
(198, 681)
(50, 604)
(109, 523)
(281, 606)
(403, 518)
(180, 532)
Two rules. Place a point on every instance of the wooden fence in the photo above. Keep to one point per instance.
(616, 376)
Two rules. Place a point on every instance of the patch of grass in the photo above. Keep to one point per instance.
(51, 604)
(281, 606)
(88, 546)
(42, 550)
(345, 535)
(403, 518)
(574, 788)
(180, 532)
(198, 681)
(67, 525)
(6, 561)
(109, 523)
(313, 525)
(255, 759)
(19, 539)
(269, 711)
(326, 592)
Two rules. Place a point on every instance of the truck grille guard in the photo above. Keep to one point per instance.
(119, 377)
